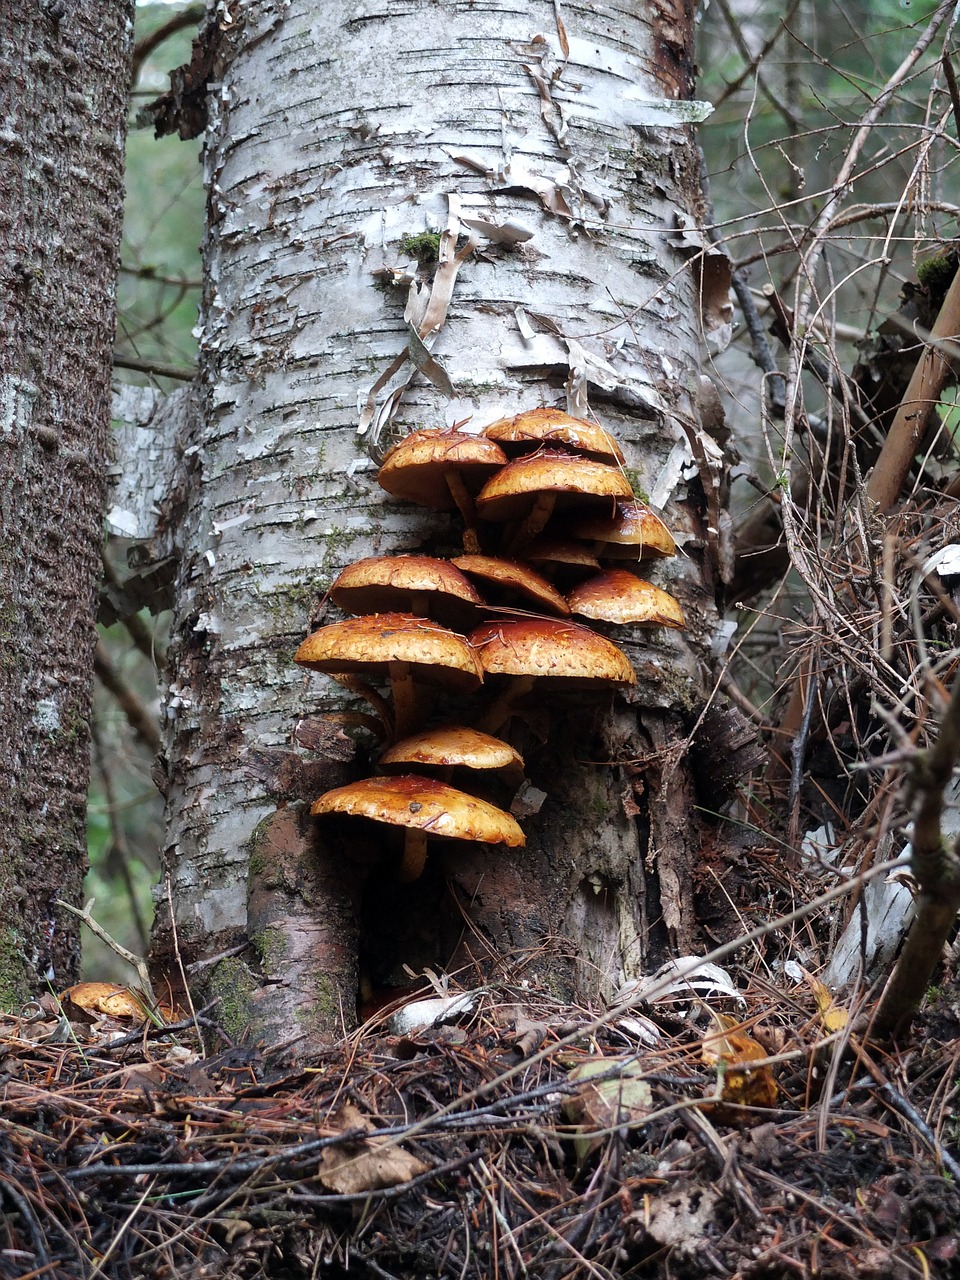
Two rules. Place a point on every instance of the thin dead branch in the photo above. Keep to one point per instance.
(138, 717)
(936, 868)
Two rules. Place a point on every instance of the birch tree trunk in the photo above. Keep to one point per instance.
(342, 137)
(63, 80)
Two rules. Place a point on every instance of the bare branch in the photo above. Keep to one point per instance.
(937, 870)
(155, 367)
(138, 717)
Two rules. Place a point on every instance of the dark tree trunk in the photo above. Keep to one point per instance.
(63, 80)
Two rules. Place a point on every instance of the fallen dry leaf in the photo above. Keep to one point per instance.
(832, 1017)
(730, 1050)
(621, 1097)
(679, 1219)
(364, 1164)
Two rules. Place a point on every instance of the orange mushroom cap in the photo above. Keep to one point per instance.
(618, 596)
(381, 584)
(416, 468)
(424, 804)
(573, 481)
(527, 431)
(564, 552)
(549, 648)
(372, 643)
(452, 746)
(513, 579)
(633, 531)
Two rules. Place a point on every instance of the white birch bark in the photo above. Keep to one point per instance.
(338, 132)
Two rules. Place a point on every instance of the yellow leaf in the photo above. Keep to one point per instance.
(730, 1050)
(832, 1017)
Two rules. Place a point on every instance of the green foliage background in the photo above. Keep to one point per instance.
(163, 219)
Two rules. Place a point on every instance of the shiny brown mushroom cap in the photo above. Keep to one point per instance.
(573, 481)
(633, 531)
(527, 431)
(451, 746)
(373, 643)
(416, 468)
(424, 804)
(382, 584)
(618, 596)
(549, 648)
(562, 551)
(514, 579)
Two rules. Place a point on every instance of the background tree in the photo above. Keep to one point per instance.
(64, 75)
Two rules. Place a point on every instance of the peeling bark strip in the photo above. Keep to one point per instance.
(63, 78)
(343, 137)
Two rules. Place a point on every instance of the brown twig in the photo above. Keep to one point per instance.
(188, 17)
(951, 79)
(919, 401)
(760, 348)
(149, 273)
(793, 123)
(155, 367)
(756, 60)
(936, 867)
(136, 961)
(901, 444)
(118, 839)
(136, 628)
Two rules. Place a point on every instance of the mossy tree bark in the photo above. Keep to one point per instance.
(342, 139)
(63, 79)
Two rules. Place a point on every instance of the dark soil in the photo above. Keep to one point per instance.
(470, 1151)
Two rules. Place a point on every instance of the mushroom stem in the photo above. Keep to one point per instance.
(380, 705)
(360, 719)
(467, 509)
(501, 709)
(531, 525)
(404, 702)
(414, 856)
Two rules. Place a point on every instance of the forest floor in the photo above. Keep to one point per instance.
(742, 1130)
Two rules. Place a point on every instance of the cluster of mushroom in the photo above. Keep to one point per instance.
(541, 489)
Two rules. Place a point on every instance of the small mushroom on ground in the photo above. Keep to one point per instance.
(441, 470)
(530, 489)
(528, 431)
(621, 597)
(536, 649)
(424, 807)
(455, 746)
(424, 585)
(506, 582)
(398, 647)
(631, 532)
